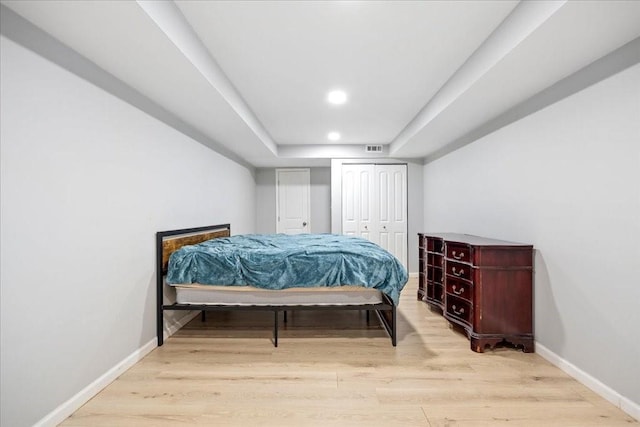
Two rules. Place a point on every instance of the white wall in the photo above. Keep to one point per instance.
(86, 181)
(321, 200)
(320, 179)
(566, 179)
(265, 200)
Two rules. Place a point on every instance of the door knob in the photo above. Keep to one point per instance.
(304, 224)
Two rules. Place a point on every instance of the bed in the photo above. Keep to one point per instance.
(210, 270)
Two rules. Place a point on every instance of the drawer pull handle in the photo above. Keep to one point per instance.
(458, 256)
(457, 273)
(460, 292)
(459, 312)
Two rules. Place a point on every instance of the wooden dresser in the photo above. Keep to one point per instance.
(483, 285)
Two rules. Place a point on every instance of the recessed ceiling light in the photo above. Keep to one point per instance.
(337, 97)
(333, 136)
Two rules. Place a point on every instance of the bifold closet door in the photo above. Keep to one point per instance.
(357, 202)
(374, 205)
(390, 184)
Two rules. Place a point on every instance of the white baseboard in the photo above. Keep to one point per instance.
(414, 275)
(594, 384)
(63, 411)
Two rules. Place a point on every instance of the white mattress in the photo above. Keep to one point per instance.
(248, 295)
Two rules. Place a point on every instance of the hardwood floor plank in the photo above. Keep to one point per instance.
(340, 371)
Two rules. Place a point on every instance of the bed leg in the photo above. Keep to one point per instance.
(285, 316)
(394, 326)
(159, 329)
(160, 325)
(203, 316)
(275, 328)
(390, 325)
(368, 316)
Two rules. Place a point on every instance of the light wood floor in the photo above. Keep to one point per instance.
(331, 369)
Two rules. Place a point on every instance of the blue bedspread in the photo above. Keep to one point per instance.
(277, 261)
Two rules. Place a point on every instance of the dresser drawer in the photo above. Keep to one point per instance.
(434, 245)
(434, 292)
(456, 269)
(460, 288)
(434, 275)
(459, 252)
(458, 309)
(437, 275)
(434, 259)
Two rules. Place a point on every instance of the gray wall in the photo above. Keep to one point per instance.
(320, 200)
(265, 200)
(86, 181)
(567, 180)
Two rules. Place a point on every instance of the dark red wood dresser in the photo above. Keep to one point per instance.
(483, 285)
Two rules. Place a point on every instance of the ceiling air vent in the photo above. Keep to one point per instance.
(373, 148)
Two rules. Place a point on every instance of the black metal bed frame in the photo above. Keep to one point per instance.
(388, 320)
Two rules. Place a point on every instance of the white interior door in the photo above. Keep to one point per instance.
(391, 186)
(374, 205)
(358, 197)
(293, 200)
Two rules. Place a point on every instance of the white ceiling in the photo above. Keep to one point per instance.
(253, 76)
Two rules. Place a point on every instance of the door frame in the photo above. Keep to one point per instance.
(308, 201)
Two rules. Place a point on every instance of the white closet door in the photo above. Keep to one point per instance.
(358, 196)
(374, 205)
(391, 186)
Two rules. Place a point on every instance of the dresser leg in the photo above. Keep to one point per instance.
(525, 342)
(478, 344)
